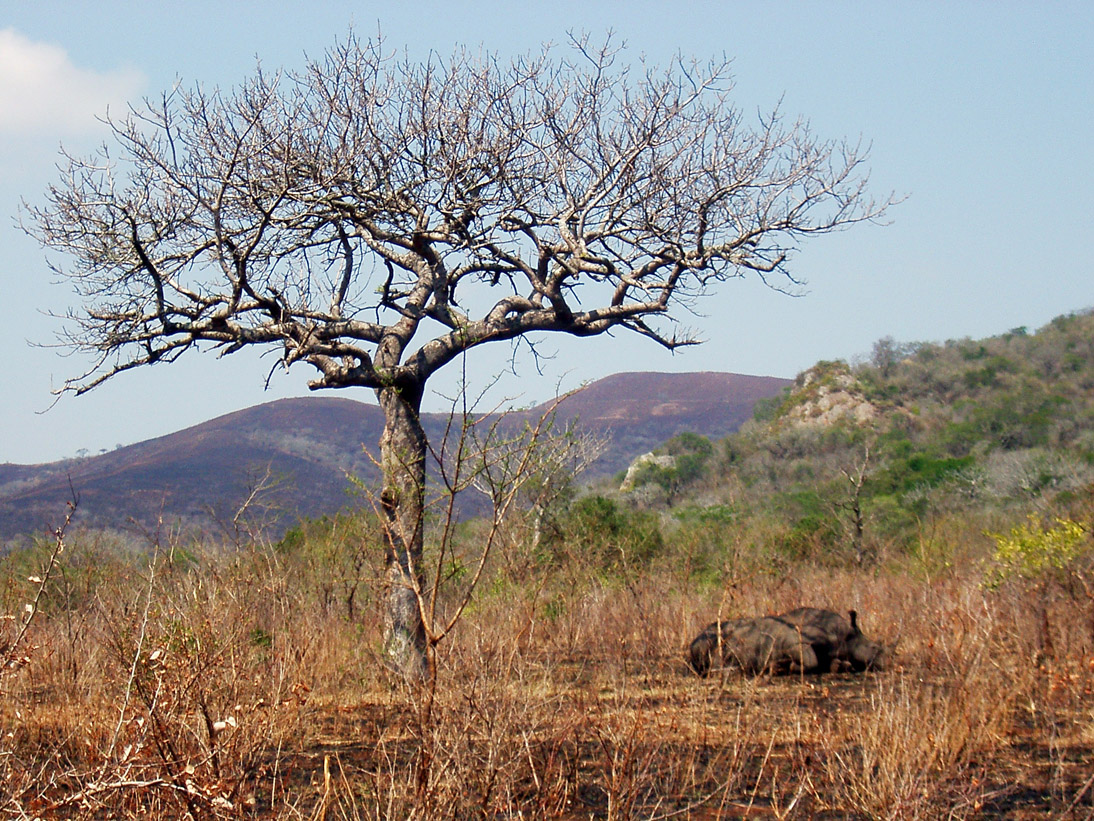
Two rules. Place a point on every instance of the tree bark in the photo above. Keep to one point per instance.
(402, 458)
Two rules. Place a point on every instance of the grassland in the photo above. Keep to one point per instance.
(230, 685)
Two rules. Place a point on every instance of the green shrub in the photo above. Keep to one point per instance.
(811, 528)
(338, 555)
(607, 537)
(769, 409)
(703, 541)
(1036, 550)
(690, 453)
(987, 375)
(919, 470)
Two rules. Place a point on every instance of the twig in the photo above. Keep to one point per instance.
(153, 783)
(137, 654)
(1078, 797)
(11, 658)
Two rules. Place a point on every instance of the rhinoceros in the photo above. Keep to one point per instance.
(756, 645)
(842, 643)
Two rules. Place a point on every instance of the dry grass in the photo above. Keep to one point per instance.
(219, 689)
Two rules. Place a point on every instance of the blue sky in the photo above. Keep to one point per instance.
(982, 113)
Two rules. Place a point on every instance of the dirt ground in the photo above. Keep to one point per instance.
(664, 744)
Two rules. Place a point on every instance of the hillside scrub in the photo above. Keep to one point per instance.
(863, 460)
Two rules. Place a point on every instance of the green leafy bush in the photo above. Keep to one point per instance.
(340, 553)
(607, 537)
(920, 470)
(690, 454)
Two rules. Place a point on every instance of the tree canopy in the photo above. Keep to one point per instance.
(351, 212)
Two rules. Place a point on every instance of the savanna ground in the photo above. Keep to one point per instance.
(248, 684)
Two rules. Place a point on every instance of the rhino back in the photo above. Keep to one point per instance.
(832, 624)
(771, 644)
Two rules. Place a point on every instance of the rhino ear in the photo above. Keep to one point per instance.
(854, 622)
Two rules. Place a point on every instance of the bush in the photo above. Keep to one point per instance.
(685, 458)
(812, 529)
(769, 409)
(1036, 550)
(606, 537)
(340, 555)
(920, 470)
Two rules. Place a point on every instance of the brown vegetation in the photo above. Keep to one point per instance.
(212, 685)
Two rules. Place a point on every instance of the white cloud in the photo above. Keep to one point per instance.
(43, 93)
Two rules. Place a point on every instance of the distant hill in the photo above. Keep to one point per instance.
(309, 445)
(924, 446)
(642, 410)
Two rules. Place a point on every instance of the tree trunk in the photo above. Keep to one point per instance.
(402, 459)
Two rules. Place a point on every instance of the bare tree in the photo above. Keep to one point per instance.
(542, 464)
(856, 479)
(376, 218)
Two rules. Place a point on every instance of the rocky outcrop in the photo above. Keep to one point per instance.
(635, 470)
(830, 397)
